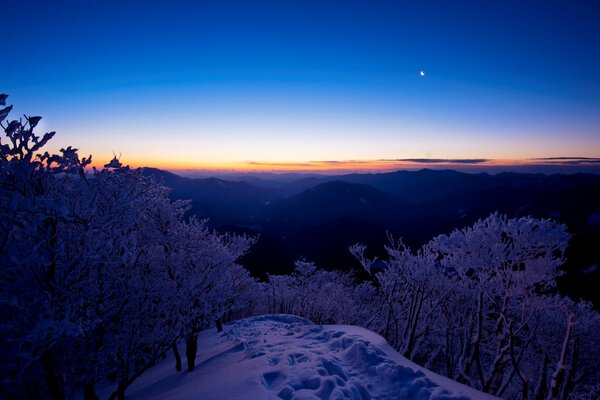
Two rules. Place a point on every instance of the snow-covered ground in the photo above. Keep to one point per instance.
(287, 357)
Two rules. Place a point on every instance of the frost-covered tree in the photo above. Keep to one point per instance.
(126, 249)
(508, 264)
(206, 278)
(477, 306)
(564, 363)
(37, 297)
(100, 271)
(324, 297)
(411, 290)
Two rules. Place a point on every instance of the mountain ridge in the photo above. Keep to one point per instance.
(318, 218)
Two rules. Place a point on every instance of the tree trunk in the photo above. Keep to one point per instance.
(498, 367)
(121, 389)
(558, 375)
(219, 325)
(465, 359)
(516, 368)
(386, 333)
(477, 340)
(55, 389)
(411, 342)
(177, 357)
(191, 348)
(389, 313)
(540, 389)
(89, 393)
(568, 379)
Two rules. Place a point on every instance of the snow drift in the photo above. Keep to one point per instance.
(290, 358)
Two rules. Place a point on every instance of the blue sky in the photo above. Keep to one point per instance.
(218, 84)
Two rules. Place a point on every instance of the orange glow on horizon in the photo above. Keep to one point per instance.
(379, 165)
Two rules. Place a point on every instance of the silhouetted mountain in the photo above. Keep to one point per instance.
(224, 202)
(168, 178)
(423, 185)
(429, 185)
(319, 217)
(332, 200)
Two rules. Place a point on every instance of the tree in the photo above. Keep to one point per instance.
(206, 278)
(36, 290)
(324, 297)
(411, 289)
(100, 272)
(478, 306)
(508, 264)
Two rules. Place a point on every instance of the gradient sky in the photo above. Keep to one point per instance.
(270, 85)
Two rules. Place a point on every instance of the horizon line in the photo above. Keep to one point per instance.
(475, 165)
(377, 163)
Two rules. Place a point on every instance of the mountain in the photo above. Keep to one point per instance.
(427, 185)
(332, 200)
(319, 217)
(223, 202)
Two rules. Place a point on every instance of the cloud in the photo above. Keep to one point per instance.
(567, 160)
(345, 162)
(377, 164)
(445, 160)
(278, 164)
(389, 164)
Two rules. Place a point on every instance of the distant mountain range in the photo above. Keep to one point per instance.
(318, 217)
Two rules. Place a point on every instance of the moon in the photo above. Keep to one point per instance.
(422, 73)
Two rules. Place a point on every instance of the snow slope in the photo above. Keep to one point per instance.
(287, 357)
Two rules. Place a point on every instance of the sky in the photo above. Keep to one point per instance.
(289, 85)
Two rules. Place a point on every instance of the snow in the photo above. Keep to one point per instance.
(287, 357)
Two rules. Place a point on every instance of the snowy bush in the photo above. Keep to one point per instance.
(324, 297)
